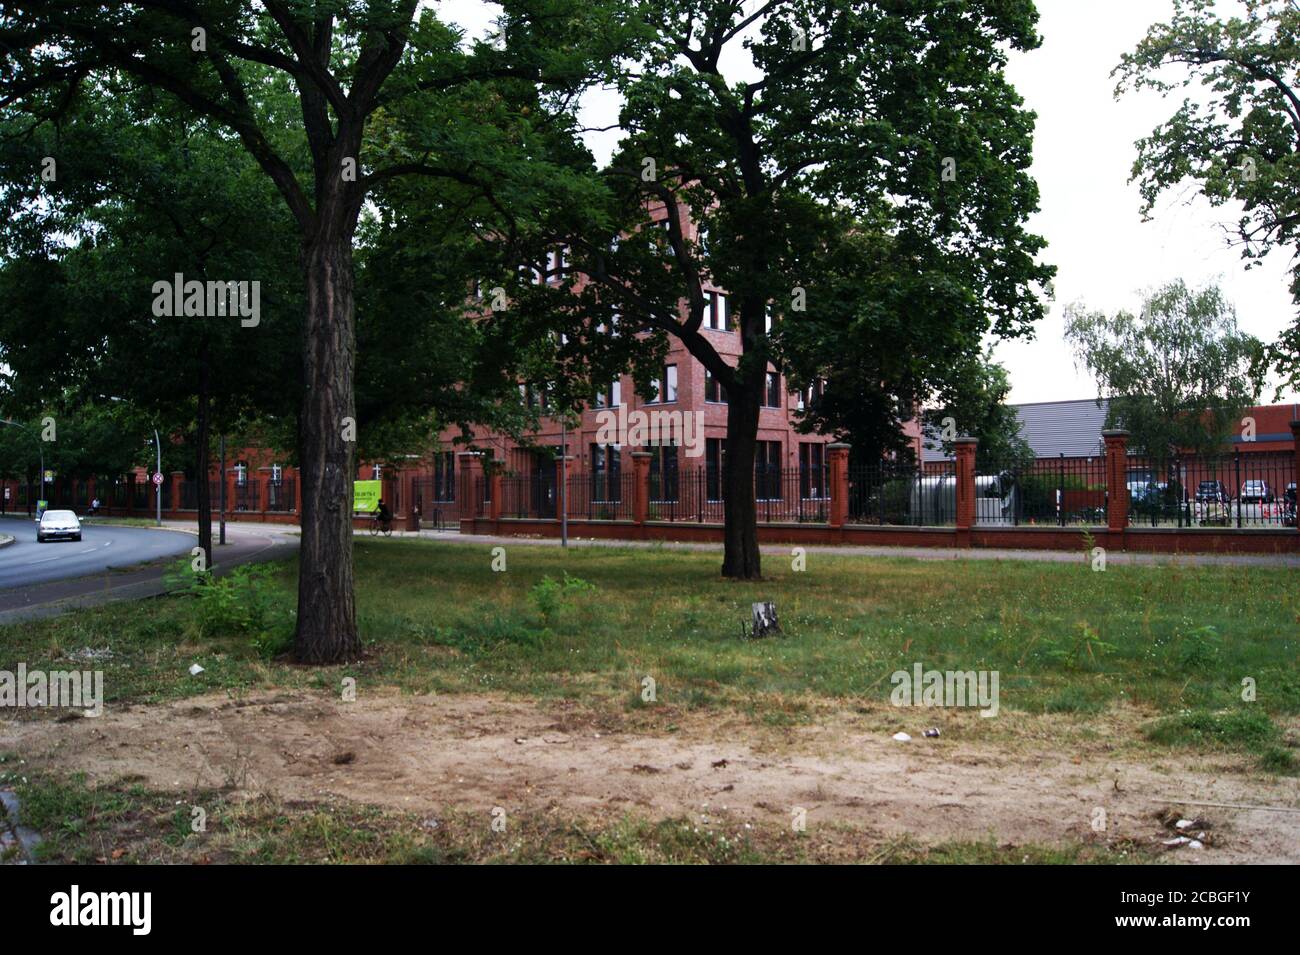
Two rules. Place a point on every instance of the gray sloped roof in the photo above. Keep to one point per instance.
(1052, 428)
(1072, 428)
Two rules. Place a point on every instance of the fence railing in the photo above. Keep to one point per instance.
(1056, 491)
(781, 495)
(889, 493)
(1243, 490)
(601, 495)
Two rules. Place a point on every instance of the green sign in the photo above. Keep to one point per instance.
(366, 495)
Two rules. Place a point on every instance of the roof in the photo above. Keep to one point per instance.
(1052, 428)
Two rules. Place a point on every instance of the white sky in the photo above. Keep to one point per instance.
(1083, 151)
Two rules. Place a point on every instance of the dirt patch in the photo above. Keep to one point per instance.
(478, 752)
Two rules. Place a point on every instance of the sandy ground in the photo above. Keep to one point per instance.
(477, 752)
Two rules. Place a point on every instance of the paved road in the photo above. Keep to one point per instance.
(113, 562)
(101, 548)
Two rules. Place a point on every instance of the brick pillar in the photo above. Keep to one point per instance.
(1116, 480)
(641, 486)
(178, 489)
(837, 455)
(965, 464)
(469, 465)
(412, 517)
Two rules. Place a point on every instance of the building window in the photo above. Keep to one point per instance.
(767, 471)
(772, 393)
(717, 312)
(376, 472)
(812, 470)
(444, 476)
(605, 471)
(715, 461)
(663, 473)
(241, 473)
(665, 386)
(611, 396)
(713, 390)
(277, 475)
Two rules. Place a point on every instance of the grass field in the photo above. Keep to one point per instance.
(1173, 643)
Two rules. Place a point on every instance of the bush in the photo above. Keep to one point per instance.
(551, 596)
(240, 602)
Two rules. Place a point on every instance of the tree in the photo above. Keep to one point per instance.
(382, 90)
(84, 247)
(1178, 375)
(1241, 144)
(885, 119)
(975, 404)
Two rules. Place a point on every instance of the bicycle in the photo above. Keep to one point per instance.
(378, 526)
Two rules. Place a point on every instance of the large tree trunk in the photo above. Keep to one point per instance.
(202, 456)
(327, 621)
(740, 557)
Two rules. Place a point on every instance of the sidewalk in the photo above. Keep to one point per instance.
(916, 553)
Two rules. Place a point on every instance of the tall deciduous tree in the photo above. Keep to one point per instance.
(382, 90)
(1177, 375)
(1239, 140)
(893, 114)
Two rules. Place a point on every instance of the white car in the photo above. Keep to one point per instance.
(56, 524)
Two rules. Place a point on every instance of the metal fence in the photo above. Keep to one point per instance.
(281, 497)
(781, 495)
(890, 493)
(1255, 489)
(1057, 491)
(436, 497)
(601, 495)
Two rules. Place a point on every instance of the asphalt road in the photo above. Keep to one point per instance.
(101, 548)
(112, 562)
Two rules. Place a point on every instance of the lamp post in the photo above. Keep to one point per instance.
(157, 484)
(39, 447)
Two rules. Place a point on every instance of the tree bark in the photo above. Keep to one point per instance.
(740, 558)
(327, 625)
(202, 455)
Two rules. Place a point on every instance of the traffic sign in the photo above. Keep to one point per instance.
(157, 478)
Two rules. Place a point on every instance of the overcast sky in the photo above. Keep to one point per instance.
(1083, 152)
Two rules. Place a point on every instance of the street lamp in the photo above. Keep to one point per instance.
(40, 447)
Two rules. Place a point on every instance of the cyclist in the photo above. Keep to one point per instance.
(384, 516)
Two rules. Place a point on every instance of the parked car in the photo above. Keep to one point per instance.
(58, 524)
(1256, 492)
(1212, 492)
(1289, 505)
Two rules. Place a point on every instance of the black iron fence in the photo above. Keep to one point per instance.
(1056, 491)
(281, 496)
(891, 493)
(781, 495)
(601, 495)
(1256, 489)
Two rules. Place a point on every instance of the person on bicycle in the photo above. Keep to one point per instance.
(384, 515)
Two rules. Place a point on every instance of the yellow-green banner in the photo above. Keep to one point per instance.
(365, 496)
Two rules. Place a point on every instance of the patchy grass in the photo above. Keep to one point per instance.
(434, 617)
(124, 823)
